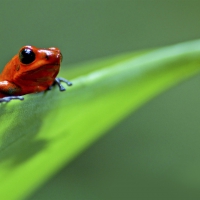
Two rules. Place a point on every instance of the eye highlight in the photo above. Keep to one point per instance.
(26, 56)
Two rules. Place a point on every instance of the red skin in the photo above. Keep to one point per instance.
(20, 79)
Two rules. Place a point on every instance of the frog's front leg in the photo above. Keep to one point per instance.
(9, 91)
(58, 82)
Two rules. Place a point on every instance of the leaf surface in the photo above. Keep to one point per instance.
(45, 131)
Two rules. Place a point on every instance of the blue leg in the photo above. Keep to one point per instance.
(9, 98)
(58, 82)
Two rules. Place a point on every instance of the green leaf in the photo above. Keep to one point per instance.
(45, 131)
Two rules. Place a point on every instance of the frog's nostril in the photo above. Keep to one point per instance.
(47, 57)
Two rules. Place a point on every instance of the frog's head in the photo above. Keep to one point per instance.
(38, 65)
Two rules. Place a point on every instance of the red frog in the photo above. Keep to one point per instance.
(31, 70)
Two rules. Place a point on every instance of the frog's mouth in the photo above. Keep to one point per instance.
(42, 70)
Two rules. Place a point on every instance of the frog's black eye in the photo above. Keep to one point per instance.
(26, 56)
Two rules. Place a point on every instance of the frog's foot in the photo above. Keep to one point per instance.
(58, 82)
(9, 98)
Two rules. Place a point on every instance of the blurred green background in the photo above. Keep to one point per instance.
(151, 154)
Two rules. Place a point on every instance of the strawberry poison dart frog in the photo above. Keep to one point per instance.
(31, 70)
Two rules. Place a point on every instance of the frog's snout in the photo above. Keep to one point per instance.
(61, 57)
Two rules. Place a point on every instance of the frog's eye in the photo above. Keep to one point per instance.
(26, 56)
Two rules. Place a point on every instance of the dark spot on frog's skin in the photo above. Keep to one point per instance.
(11, 91)
(17, 67)
(47, 57)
